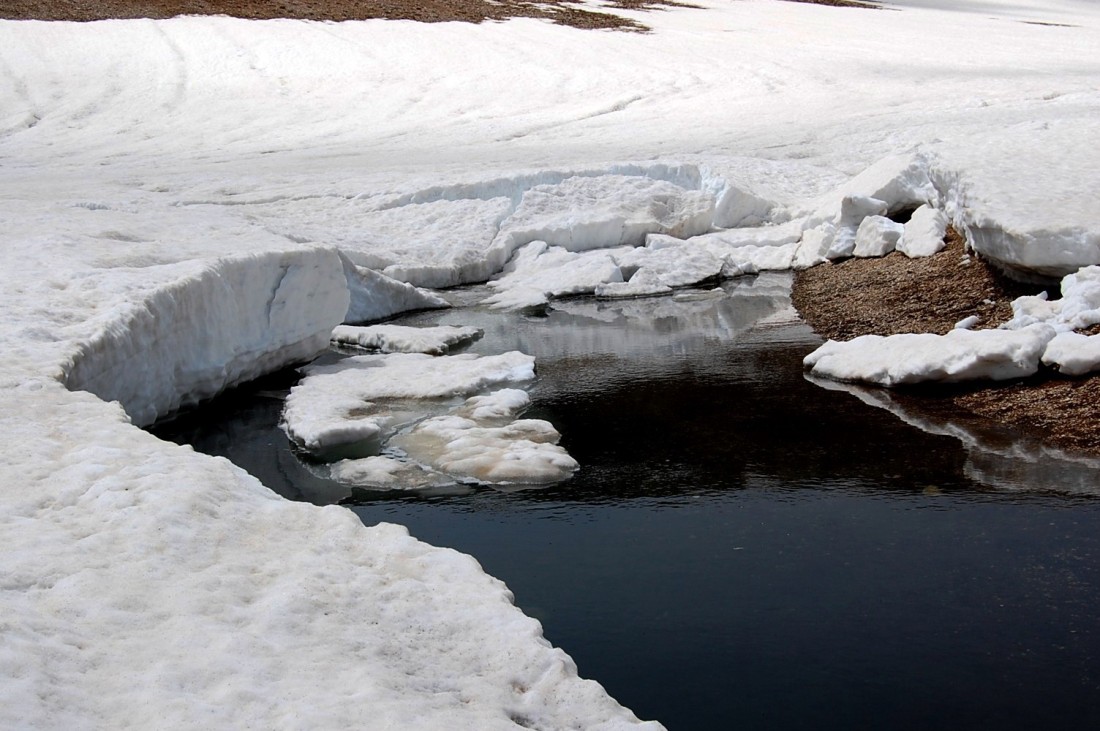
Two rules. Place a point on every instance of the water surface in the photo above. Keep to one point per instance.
(743, 548)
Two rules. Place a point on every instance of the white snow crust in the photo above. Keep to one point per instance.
(189, 203)
(960, 355)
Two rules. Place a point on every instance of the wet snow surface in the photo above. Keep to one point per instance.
(192, 203)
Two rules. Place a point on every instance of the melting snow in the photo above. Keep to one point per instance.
(191, 202)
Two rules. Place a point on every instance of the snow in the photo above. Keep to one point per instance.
(352, 401)
(924, 232)
(540, 272)
(524, 451)
(1073, 354)
(188, 203)
(877, 236)
(401, 339)
(960, 355)
(374, 296)
(386, 473)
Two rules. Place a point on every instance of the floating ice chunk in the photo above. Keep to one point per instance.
(498, 406)
(328, 420)
(401, 339)
(960, 355)
(1073, 354)
(584, 213)
(525, 451)
(386, 473)
(539, 272)
(877, 236)
(375, 296)
(924, 232)
(335, 405)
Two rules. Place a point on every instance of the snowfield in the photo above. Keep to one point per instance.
(189, 203)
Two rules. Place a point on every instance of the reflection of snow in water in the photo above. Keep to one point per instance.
(996, 458)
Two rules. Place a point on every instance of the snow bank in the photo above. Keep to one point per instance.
(116, 568)
(214, 325)
(583, 213)
(402, 339)
(960, 355)
(374, 296)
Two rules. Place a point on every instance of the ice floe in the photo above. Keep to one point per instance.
(481, 441)
(351, 401)
(523, 451)
(403, 339)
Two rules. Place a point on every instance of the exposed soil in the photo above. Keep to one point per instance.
(564, 12)
(428, 11)
(895, 294)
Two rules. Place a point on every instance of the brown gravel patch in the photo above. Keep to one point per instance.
(563, 12)
(429, 11)
(895, 294)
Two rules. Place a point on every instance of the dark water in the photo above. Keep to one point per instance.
(745, 549)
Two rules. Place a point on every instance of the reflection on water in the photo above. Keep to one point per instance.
(743, 548)
(997, 457)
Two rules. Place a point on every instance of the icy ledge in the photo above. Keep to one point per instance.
(148, 586)
(124, 553)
